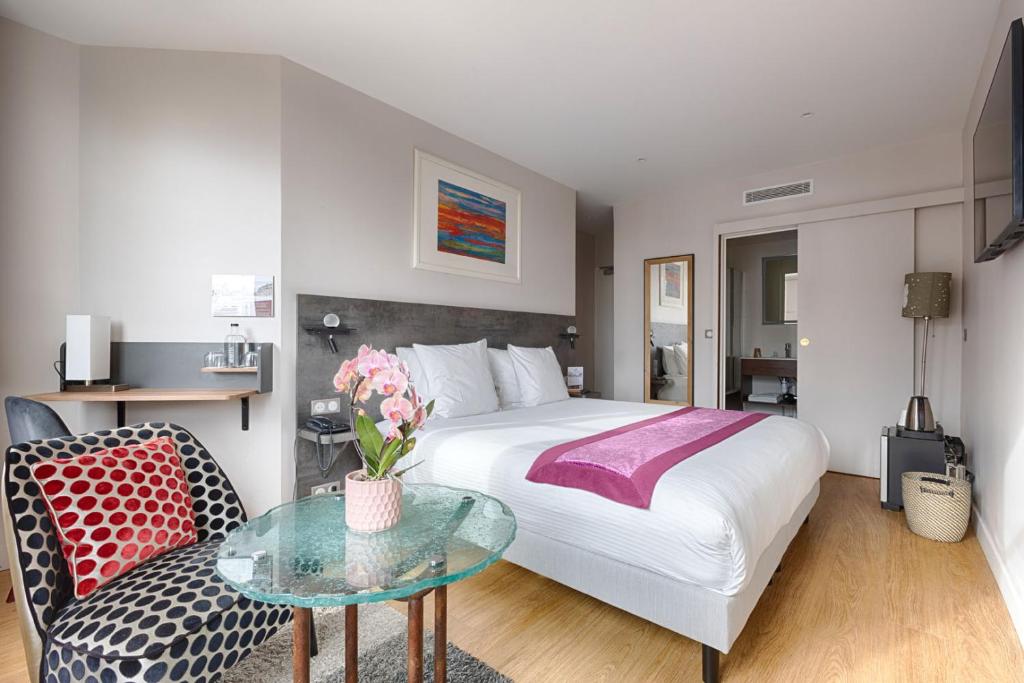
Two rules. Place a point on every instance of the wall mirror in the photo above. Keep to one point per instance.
(779, 280)
(668, 330)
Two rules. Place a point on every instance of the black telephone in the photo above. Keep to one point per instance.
(325, 425)
(321, 426)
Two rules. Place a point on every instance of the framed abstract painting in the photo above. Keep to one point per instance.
(464, 223)
(671, 291)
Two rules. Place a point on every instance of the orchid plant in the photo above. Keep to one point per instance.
(382, 373)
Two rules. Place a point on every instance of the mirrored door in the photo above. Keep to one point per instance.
(668, 330)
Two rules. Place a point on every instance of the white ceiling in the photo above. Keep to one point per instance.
(578, 89)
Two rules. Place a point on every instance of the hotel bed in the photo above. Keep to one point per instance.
(696, 561)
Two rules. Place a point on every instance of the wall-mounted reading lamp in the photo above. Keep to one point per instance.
(330, 326)
(570, 334)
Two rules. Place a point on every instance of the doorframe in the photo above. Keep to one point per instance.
(721, 287)
(789, 221)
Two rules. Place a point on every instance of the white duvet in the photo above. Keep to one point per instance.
(711, 516)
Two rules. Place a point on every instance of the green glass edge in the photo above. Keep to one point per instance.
(338, 600)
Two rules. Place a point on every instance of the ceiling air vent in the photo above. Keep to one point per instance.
(770, 194)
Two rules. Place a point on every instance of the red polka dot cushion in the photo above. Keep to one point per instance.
(115, 509)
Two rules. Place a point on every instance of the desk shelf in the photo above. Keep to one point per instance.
(231, 371)
(156, 370)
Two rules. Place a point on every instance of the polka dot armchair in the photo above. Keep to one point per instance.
(170, 619)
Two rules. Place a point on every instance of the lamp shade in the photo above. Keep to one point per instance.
(87, 354)
(926, 295)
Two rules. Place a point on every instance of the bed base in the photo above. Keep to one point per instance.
(710, 618)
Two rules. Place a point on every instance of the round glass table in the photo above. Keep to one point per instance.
(301, 554)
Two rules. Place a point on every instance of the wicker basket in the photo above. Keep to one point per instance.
(938, 507)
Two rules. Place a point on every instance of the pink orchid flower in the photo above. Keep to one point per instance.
(346, 376)
(418, 418)
(390, 382)
(372, 362)
(363, 392)
(394, 432)
(397, 409)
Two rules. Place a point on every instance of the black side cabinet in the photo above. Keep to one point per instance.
(905, 451)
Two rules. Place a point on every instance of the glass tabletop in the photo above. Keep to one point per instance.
(302, 554)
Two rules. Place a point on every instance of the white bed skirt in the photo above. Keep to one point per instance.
(698, 613)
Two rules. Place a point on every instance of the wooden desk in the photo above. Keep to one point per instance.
(153, 395)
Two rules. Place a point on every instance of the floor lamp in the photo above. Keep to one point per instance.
(925, 295)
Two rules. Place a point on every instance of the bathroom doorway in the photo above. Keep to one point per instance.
(761, 310)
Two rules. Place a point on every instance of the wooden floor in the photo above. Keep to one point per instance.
(12, 656)
(860, 598)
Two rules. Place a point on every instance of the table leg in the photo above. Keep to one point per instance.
(121, 419)
(300, 644)
(440, 634)
(351, 643)
(415, 663)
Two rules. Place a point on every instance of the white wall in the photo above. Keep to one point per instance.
(682, 220)
(604, 314)
(347, 174)
(348, 178)
(195, 163)
(181, 179)
(993, 372)
(585, 282)
(937, 249)
(38, 208)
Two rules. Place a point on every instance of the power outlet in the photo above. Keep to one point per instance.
(327, 487)
(325, 406)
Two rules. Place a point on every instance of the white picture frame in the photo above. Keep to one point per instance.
(670, 289)
(490, 249)
(241, 296)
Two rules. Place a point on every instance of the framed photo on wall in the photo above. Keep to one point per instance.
(464, 223)
(242, 296)
(671, 291)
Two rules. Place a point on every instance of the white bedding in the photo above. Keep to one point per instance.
(711, 515)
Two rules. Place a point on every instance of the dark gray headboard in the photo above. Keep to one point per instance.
(389, 324)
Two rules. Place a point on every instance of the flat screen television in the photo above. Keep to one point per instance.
(999, 155)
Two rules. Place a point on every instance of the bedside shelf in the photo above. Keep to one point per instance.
(230, 371)
(339, 437)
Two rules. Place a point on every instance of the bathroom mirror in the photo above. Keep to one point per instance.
(668, 330)
(779, 280)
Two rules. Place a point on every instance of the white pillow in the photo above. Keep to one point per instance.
(505, 381)
(459, 378)
(680, 354)
(539, 375)
(419, 380)
(668, 360)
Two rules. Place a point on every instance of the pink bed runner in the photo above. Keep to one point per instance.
(625, 464)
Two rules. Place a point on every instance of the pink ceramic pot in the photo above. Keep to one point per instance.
(372, 505)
